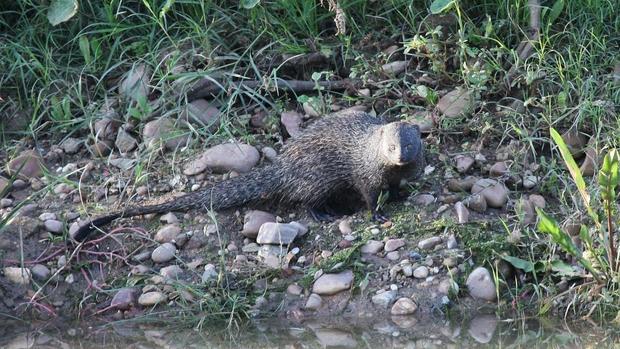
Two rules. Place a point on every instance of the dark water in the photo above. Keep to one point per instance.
(482, 330)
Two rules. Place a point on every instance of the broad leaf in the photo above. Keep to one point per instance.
(439, 6)
(557, 8)
(519, 263)
(249, 4)
(61, 11)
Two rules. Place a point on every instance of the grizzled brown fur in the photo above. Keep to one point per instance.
(341, 153)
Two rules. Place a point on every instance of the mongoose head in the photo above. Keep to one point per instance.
(400, 143)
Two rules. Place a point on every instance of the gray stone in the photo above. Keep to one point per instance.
(384, 299)
(482, 328)
(210, 273)
(394, 244)
(28, 164)
(345, 227)
(452, 243)
(152, 298)
(476, 202)
(314, 302)
(46, 216)
(493, 191)
(457, 102)
(463, 163)
(404, 306)
(135, 84)
(167, 233)
(276, 234)
(40, 272)
(253, 220)
(54, 226)
(224, 158)
(393, 256)
(480, 284)
(269, 153)
(292, 122)
(125, 142)
(420, 272)
(294, 289)
(171, 272)
(462, 213)
(164, 253)
(72, 145)
(372, 247)
(498, 169)
(202, 113)
(16, 275)
(429, 243)
(423, 199)
(124, 298)
(164, 130)
(329, 284)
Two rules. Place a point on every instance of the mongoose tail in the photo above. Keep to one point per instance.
(257, 185)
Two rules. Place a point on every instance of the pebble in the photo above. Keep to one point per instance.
(125, 142)
(292, 123)
(210, 273)
(423, 199)
(345, 227)
(238, 157)
(393, 256)
(169, 218)
(271, 233)
(16, 275)
(54, 226)
(29, 164)
(135, 83)
(476, 202)
(252, 247)
(5, 202)
(530, 182)
(450, 262)
(493, 191)
(124, 298)
(294, 289)
(46, 216)
(537, 200)
(458, 185)
(384, 299)
(456, 102)
(394, 244)
(498, 169)
(269, 153)
(202, 113)
(452, 243)
(408, 270)
(302, 229)
(314, 302)
(164, 253)
(480, 284)
(482, 328)
(152, 298)
(395, 67)
(171, 272)
(462, 213)
(420, 272)
(429, 243)
(19, 184)
(404, 306)
(372, 247)
(329, 284)
(253, 220)
(40, 272)
(463, 163)
(167, 233)
(375, 231)
(448, 286)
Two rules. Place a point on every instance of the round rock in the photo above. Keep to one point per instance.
(314, 302)
(164, 253)
(493, 191)
(404, 306)
(167, 233)
(152, 298)
(253, 220)
(224, 158)
(480, 284)
(124, 298)
(372, 247)
(16, 275)
(420, 272)
(54, 226)
(394, 244)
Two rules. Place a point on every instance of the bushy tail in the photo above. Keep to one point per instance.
(257, 185)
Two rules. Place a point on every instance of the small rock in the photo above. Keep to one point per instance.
(394, 244)
(302, 229)
(167, 233)
(429, 243)
(276, 234)
(494, 192)
(329, 284)
(312, 107)
(395, 68)
(423, 199)
(404, 306)
(384, 299)
(498, 169)
(171, 272)
(164, 253)
(452, 243)
(124, 298)
(588, 167)
(530, 181)
(210, 273)
(480, 284)
(169, 218)
(292, 122)
(29, 165)
(458, 185)
(462, 213)
(476, 202)
(54, 226)
(101, 147)
(455, 103)
(164, 130)
(46, 216)
(420, 272)
(250, 248)
(253, 220)
(575, 141)
(408, 270)
(269, 153)
(450, 262)
(20, 276)
(345, 227)
(372, 247)
(448, 286)
(463, 163)
(135, 84)
(537, 200)
(125, 142)
(393, 256)
(294, 289)
(202, 113)
(224, 158)
(314, 302)
(40, 272)
(71, 145)
(152, 298)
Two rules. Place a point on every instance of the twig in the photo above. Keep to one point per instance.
(209, 87)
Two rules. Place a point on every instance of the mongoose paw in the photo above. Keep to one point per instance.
(321, 216)
(378, 217)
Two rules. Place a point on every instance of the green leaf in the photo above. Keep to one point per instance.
(164, 9)
(61, 11)
(249, 4)
(608, 176)
(563, 269)
(439, 6)
(85, 49)
(574, 170)
(557, 8)
(548, 225)
(519, 263)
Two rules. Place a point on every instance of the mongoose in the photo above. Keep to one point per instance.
(341, 153)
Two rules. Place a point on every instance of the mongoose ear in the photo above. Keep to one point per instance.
(417, 127)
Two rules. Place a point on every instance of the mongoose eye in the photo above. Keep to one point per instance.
(392, 147)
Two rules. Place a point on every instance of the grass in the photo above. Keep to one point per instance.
(54, 81)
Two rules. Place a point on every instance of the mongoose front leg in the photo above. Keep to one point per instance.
(371, 196)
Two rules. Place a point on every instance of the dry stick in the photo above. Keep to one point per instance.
(207, 87)
(524, 50)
